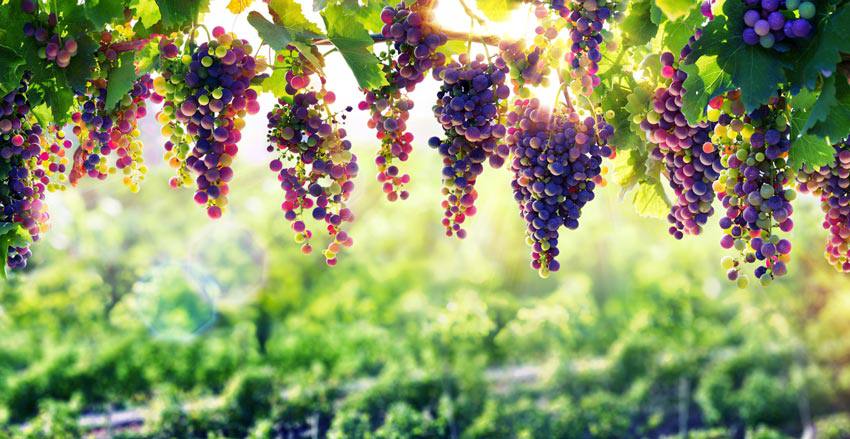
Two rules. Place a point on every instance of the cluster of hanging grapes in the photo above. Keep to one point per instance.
(555, 154)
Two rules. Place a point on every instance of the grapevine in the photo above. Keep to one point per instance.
(754, 101)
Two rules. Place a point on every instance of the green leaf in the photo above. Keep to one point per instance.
(497, 10)
(721, 61)
(120, 79)
(836, 127)
(104, 12)
(59, 99)
(810, 150)
(281, 37)
(638, 28)
(673, 35)
(178, 14)
(148, 12)
(822, 107)
(452, 48)
(650, 200)
(674, 9)
(355, 45)
(287, 13)
(82, 64)
(823, 52)
(10, 77)
(706, 79)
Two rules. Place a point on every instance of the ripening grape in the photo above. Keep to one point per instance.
(587, 19)
(170, 90)
(832, 184)
(23, 180)
(469, 107)
(556, 164)
(528, 66)
(314, 164)
(754, 190)
(210, 103)
(51, 46)
(691, 161)
(413, 52)
(103, 130)
(776, 23)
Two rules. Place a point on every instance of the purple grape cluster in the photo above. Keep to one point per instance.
(556, 164)
(469, 108)
(51, 46)
(832, 184)
(315, 167)
(586, 19)
(528, 66)
(755, 197)
(218, 97)
(412, 54)
(774, 23)
(691, 161)
(23, 184)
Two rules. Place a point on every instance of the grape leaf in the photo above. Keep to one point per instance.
(104, 12)
(836, 127)
(80, 68)
(637, 175)
(177, 14)
(279, 37)
(452, 47)
(721, 61)
(650, 200)
(59, 98)
(821, 108)
(823, 51)
(497, 10)
(673, 35)
(674, 9)
(811, 150)
(287, 13)
(355, 46)
(120, 79)
(147, 11)
(238, 6)
(706, 79)
(638, 29)
(10, 77)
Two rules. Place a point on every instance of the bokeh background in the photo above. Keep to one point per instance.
(139, 317)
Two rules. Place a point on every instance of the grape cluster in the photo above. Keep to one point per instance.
(773, 23)
(170, 90)
(754, 190)
(469, 108)
(691, 161)
(23, 182)
(413, 52)
(528, 66)
(53, 160)
(213, 99)
(103, 130)
(832, 184)
(556, 164)
(587, 19)
(52, 47)
(314, 164)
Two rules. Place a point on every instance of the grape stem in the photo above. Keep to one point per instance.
(471, 13)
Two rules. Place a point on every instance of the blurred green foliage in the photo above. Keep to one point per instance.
(224, 329)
